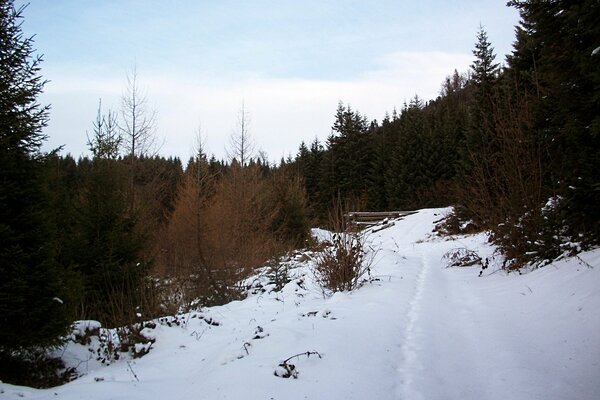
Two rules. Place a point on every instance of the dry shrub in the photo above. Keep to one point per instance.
(343, 265)
(507, 173)
(461, 257)
(506, 187)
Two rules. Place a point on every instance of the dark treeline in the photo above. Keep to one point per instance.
(119, 221)
(407, 161)
(515, 149)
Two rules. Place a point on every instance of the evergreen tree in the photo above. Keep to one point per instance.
(31, 309)
(63, 178)
(109, 248)
(556, 59)
(480, 149)
(406, 173)
(485, 70)
(452, 113)
(312, 178)
(351, 151)
(483, 79)
(329, 174)
(379, 163)
(291, 222)
(106, 139)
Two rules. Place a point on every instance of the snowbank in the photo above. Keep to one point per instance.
(419, 331)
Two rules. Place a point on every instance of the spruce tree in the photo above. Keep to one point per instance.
(351, 150)
(108, 256)
(556, 58)
(480, 148)
(312, 178)
(485, 70)
(31, 309)
(407, 173)
(379, 163)
(483, 79)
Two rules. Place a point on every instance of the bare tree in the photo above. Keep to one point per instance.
(138, 123)
(263, 157)
(106, 138)
(241, 145)
(199, 145)
(204, 178)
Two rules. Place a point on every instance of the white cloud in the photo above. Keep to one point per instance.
(283, 111)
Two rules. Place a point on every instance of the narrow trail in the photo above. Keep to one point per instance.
(410, 346)
(496, 337)
(446, 352)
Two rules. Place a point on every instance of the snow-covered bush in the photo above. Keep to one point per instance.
(461, 257)
(278, 273)
(109, 344)
(537, 236)
(82, 331)
(458, 222)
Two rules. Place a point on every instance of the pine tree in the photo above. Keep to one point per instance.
(106, 139)
(407, 174)
(555, 58)
(31, 309)
(485, 70)
(109, 249)
(483, 79)
(480, 145)
(312, 178)
(291, 223)
(350, 147)
(379, 163)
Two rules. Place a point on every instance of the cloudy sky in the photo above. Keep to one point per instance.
(289, 62)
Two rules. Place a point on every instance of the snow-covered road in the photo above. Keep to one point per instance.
(420, 331)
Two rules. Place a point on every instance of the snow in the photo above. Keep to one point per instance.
(419, 331)
(320, 234)
(81, 327)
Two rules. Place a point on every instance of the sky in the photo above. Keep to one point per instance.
(288, 62)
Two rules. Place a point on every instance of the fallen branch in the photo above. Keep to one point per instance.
(307, 354)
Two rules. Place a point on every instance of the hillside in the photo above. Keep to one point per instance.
(418, 331)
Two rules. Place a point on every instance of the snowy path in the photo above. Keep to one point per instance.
(446, 351)
(497, 337)
(420, 332)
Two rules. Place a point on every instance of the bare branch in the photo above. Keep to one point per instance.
(138, 123)
(241, 145)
